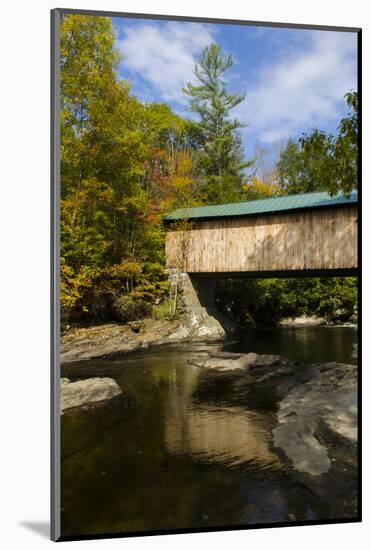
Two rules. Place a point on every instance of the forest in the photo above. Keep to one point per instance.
(125, 163)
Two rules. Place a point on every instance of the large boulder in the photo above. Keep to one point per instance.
(87, 392)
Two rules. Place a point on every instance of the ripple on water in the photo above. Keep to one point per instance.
(184, 448)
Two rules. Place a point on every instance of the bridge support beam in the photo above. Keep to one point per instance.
(194, 296)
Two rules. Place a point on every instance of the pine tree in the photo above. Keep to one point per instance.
(221, 160)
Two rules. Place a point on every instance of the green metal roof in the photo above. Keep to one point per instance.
(263, 206)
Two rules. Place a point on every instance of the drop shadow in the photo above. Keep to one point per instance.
(41, 528)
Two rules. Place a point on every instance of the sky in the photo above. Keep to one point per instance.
(294, 79)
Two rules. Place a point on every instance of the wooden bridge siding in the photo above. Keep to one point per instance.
(316, 239)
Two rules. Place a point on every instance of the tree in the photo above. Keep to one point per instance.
(323, 162)
(346, 147)
(220, 160)
(269, 300)
(123, 164)
(256, 189)
(101, 158)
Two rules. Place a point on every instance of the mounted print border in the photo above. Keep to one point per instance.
(209, 233)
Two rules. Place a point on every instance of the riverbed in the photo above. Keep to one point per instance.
(185, 448)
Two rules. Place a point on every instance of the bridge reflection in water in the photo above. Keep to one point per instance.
(215, 432)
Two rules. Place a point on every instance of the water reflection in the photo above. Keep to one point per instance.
(224, 434)
(307, 344)
(185, 448)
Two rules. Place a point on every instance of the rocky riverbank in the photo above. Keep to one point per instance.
(312, 428)
(313, 320)
(104, 340)
(302, 321)
(316, 422)
(200, 326)
(316, 432)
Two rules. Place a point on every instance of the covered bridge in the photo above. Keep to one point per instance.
(307, 234)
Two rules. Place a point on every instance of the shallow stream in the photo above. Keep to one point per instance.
(186, 448)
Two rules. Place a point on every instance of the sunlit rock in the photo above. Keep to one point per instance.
(87, 392)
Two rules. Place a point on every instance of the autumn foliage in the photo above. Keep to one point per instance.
(125, 163)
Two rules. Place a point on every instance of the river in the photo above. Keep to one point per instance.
(187, 448)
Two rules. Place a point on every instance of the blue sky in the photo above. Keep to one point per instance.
(294, 80)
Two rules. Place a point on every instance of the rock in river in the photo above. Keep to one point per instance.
(227, 361)
(86, 392)
(326, 402)
(303, 321)
(316, 431)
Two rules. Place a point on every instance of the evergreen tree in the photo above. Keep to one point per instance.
(220, 161)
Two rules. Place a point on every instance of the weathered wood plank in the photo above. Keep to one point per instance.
(317, 239)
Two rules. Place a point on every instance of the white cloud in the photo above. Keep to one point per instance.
(304, 90)
(165, 55)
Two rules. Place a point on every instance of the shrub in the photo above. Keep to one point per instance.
(162, 310)
(131, 308)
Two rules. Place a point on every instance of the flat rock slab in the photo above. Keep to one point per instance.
(223, 361)
(105, 340)
(224, 354)
(87, 392)
(227, 361)
(321, 400)
(328, 399)
(92, 342)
